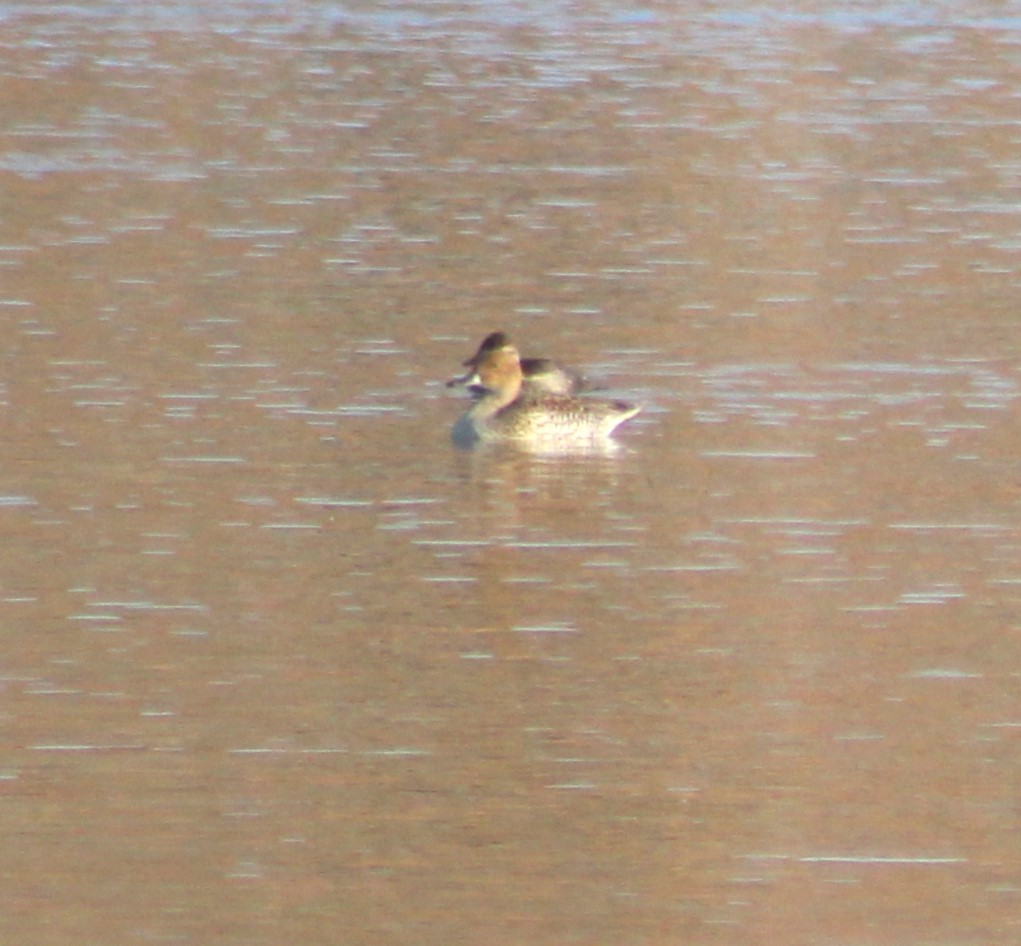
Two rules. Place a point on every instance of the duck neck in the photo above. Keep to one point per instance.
(496, 399)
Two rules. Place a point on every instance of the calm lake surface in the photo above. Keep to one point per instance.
(281, 664)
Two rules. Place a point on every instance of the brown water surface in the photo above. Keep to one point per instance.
(282, 665)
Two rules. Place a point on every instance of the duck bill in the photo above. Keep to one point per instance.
(462, 380)
(471, 381)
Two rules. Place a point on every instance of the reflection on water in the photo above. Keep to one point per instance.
(281, 661)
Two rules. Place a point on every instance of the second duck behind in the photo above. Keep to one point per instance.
(539, 375)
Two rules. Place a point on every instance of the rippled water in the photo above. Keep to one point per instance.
(282, 664)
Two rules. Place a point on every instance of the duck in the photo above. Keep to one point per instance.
(539, 375)
(505, 411)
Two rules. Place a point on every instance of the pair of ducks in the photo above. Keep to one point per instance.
(530, 401)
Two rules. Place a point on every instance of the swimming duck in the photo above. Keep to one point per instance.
(539, 375)
(504, 411)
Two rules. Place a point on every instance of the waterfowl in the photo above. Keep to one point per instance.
(506, 411)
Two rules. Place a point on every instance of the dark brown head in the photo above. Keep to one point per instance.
(498, 371)
(492, 342)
